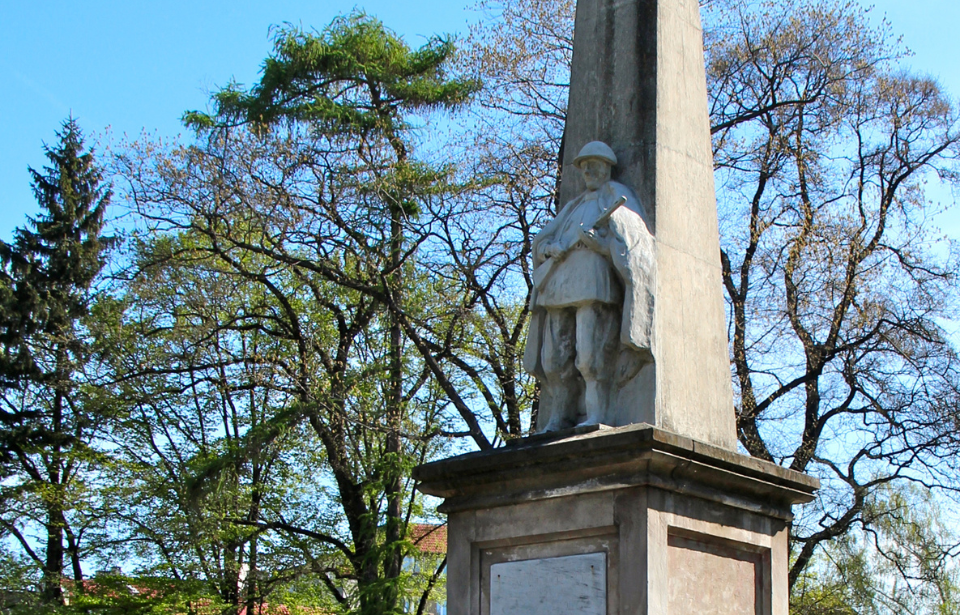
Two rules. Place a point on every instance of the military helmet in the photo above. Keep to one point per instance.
(596, 149)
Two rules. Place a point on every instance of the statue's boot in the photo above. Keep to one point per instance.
(597, 403)
(559, 404)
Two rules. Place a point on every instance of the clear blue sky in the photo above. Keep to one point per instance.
(138, 65)
(134, 65)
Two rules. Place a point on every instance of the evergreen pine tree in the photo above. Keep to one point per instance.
(46, 277)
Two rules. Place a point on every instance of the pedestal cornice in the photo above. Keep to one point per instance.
(592, 460)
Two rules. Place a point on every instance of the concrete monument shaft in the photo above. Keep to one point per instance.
(638, 84)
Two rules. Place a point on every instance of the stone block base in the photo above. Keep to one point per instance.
(615, 521)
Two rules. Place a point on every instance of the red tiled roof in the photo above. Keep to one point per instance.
(429, 538)
(265, 609)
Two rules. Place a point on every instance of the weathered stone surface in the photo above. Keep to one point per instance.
(573, 585)
(584, 460)
(682, 522)
(735, 578)
(591, 326)
(638, 83)
(683, 527)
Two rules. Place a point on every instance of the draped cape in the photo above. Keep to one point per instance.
(630, 247)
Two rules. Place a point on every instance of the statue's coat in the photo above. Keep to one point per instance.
(630, 245)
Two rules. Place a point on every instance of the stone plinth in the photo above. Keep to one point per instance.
(615, 521)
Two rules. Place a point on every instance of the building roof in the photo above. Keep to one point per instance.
(429, 538)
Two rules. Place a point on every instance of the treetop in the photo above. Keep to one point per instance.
(354, 76)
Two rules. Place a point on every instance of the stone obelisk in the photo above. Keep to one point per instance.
(659, 515)
(639, 84)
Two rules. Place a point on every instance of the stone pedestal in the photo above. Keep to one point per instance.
(601, 521)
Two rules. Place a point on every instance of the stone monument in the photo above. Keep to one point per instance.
(591, 330)
(631, 498)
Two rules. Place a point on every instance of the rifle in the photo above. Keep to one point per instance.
(542, 273)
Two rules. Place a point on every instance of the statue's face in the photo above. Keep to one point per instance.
(596, 172)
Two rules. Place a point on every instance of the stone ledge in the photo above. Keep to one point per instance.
(585, 460)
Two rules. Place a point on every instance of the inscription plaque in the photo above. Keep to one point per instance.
(571, 585)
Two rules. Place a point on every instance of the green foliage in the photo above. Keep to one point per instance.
(354, 77)
(205, 441)
(310, 299)
(256, 363)
(315, 218)
(19, 582)
(120, 595)
(904, 561)
(46, 272)
(46, 424)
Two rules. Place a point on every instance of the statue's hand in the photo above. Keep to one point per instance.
(590, 238)
(552, 249)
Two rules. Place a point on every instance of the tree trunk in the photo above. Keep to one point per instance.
(393, 555)
(251, 589)
(73, 550)
(53, 567)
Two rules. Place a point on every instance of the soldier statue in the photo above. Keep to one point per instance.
(592, 302)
